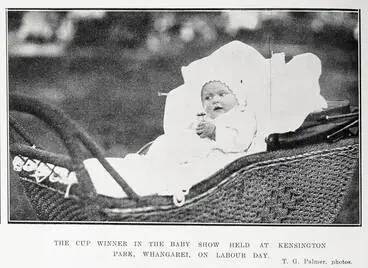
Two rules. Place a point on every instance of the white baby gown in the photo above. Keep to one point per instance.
(273, 96)
(179, 159)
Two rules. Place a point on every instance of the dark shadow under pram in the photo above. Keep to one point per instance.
(305, 177)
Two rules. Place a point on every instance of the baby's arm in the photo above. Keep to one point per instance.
(235, 131)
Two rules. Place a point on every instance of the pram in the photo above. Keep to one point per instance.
(304, 177)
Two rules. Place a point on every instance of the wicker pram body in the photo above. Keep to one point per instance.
(303, 185)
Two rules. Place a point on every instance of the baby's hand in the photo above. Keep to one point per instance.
(206, 129)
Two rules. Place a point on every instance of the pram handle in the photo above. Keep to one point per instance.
(72, 135)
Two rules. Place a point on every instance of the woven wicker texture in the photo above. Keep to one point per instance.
(306, 185)
(50, 205)
(308, 188)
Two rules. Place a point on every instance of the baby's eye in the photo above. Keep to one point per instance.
(221, 94)
(207, 97)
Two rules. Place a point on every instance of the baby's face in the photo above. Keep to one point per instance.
(217, 99)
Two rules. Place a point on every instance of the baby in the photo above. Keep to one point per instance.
(217, 99)
(230, 126)
(225, 127)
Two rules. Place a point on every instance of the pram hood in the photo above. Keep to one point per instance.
(281, 94)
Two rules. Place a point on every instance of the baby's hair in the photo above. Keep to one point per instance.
(215, 81)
